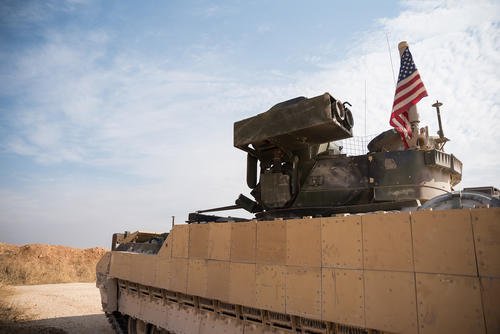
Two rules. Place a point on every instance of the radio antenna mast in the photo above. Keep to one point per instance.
(390, 57)
(365, 108)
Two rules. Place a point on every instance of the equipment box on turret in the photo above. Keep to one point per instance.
(293, 123)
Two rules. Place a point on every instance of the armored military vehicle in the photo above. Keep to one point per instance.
(370, 243)
(304, 172)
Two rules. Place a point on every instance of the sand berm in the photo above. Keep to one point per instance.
(35, 264)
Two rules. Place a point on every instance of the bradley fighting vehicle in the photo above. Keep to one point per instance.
(369, 243)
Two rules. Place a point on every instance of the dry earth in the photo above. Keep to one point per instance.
(49, 308)
(72, 307)
(41, 264)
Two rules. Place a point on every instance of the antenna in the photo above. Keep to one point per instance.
(365, 107)
(442, 139)
(390, 57)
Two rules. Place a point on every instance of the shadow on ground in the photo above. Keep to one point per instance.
(85, 324)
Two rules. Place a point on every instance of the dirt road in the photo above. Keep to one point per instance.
(73, 307)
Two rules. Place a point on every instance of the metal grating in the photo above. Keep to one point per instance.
(294, 324)
(355, 145)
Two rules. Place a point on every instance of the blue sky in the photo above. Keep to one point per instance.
(116, 115)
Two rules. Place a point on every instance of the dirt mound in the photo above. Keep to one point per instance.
(43, 264)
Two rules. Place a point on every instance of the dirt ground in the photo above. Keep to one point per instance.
(50, 308)
(58, 308)
(44, 264)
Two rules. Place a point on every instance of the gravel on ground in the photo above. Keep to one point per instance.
(72, 307)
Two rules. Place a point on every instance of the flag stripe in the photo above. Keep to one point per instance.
(411, 101)
(402, 132)
(408, 81)
(399, 124)
(401, 90)
(409, 97)
(402, 128)
(402, 121)
(404, 117)
(409, 90)
(408, 94)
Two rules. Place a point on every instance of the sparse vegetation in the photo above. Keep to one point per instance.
(40, 264)
(44, 264)
(8, 312)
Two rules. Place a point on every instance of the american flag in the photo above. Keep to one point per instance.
(409, 90)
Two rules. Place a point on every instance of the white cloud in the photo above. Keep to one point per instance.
(456, 48)
(434, 19)
(173, 126)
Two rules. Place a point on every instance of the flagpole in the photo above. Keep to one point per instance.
(409, 90)
(413, 116)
